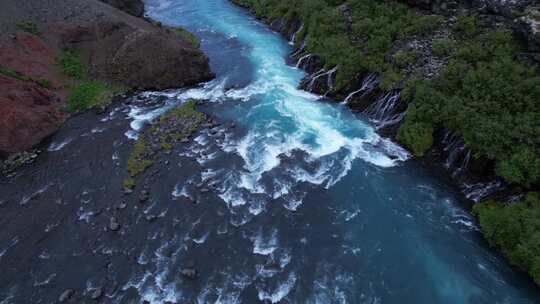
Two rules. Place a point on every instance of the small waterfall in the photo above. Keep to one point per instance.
(464, 164)
(368, 84)
(322, 73)
(299, 50)
(384, 112)
(477, 192)
(301, 60)
(458, 155)
(293, 39)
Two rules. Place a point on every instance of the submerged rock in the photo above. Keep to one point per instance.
(113, 224)
(96, 294)
(144, 195)
(66, 295)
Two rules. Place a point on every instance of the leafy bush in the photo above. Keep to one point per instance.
(403, 59)
(514, 229)
(417, 136)
(466, 25)
(442, 47)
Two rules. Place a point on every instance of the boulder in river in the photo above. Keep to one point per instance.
(65, 296)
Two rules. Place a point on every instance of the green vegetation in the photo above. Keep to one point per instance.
(29, 27)
(404, 59)
(189, 37)
(490, 99)
(172, 127)
(515, 230)
(44, 83)
(442, 47)
(89, 94)
(85, 93)
(72, 65)
(129, 184)
(375, 26)
(187, 115)
(140, 158)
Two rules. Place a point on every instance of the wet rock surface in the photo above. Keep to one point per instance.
(133, 7)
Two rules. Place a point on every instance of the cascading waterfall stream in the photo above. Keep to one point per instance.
(384, 112)
(368, 84)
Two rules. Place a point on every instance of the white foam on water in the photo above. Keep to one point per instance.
(280, 292)
(265, 244)
(57, 146)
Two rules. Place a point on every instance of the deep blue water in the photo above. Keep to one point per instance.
(324, 210)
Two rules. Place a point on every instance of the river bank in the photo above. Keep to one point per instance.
(411, 71)
(58, 59)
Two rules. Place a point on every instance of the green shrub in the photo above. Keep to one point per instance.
(88, 95)
(404, 59)
(416, 136)
(441, 47)
(515, 230)
(466, 25)
(71, 64)
(29, 27)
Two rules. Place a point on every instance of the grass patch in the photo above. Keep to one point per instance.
(129, 184)
(44, 83)
(187, 115)
(140, 158)
(88, 95)
(29, 27)
(71, 64)
(14, 74)
(189, 37)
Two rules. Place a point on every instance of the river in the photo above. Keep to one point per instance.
(307, 204)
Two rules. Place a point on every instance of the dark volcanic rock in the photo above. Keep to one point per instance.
(65, 296)
(142, 59)
(133, 7)
(29, 114)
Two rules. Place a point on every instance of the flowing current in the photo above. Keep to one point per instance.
(303, 201)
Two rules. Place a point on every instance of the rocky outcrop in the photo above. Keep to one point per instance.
(117, 48)
(29, 114)
(133, 7)
(528, 27)
(122, 54)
